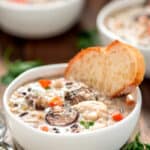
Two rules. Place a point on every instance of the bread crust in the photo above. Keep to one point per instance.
(130, 86)
(79, 55)
(140, 71)
(138, 68)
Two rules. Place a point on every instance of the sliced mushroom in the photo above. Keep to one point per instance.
(62, 117)
(23, 114)
(36, 101)
(41, 103)
(82, 94)
(73, 98)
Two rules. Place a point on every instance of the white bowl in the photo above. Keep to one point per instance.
(107, 36)
(39, 20)
(109, 138)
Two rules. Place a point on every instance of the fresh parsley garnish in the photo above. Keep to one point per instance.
(16, 68)
(87, 124)
(136, 145)
(88, 38)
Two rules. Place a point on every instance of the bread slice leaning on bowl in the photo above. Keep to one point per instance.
(113, 70)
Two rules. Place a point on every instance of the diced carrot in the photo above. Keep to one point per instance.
(19, 1)
(56, 101)
(44, 128)
(117, 117)
(45, 83)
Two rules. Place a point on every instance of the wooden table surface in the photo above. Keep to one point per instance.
(62, 48)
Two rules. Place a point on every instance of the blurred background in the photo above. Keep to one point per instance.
(56, 49)
(20, 51)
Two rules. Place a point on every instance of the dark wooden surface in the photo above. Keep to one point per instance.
(63, 47)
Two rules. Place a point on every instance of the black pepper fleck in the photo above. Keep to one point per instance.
(24, 93)
(56, 130)
(23, 114)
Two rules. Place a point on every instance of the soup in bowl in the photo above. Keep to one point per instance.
(46, 111)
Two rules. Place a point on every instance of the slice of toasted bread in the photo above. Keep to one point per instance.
(114, 70)
(125, 69)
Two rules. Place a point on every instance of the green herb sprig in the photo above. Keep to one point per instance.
(87, 124)
(136, 145)
(88, 38)
(16, 68)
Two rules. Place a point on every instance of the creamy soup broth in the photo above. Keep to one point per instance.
(63, 106)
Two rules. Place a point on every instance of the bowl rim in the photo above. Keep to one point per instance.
(26, 7)
(111, 7)
(38, 132)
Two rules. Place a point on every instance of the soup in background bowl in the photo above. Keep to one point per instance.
(59, 114)
(132, 24)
